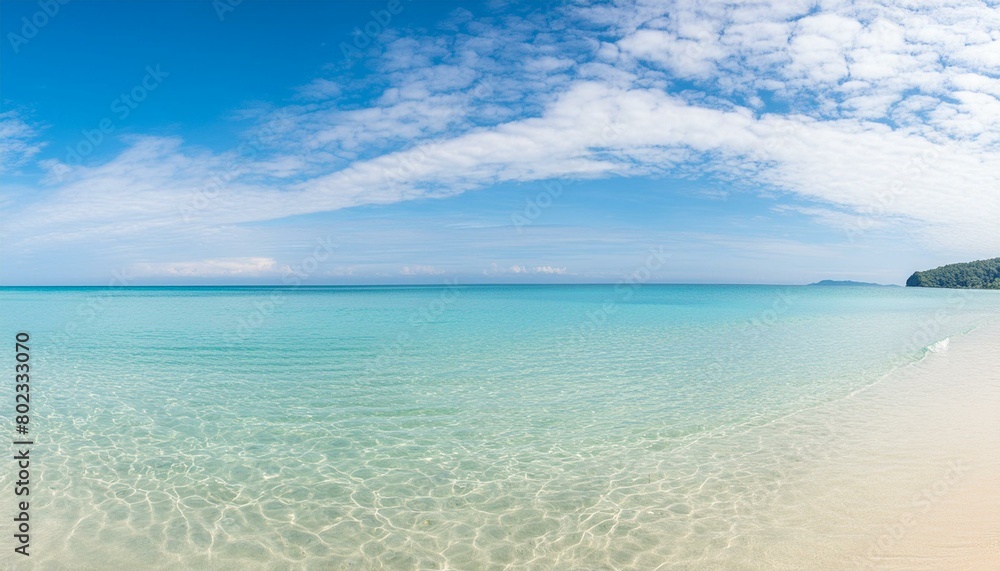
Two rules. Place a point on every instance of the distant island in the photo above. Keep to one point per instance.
(981, 274)
(848, 283)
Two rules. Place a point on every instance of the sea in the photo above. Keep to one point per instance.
(628, 426)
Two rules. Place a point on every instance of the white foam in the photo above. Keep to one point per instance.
(939, 347)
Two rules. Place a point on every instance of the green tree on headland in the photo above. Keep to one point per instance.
(981, 274)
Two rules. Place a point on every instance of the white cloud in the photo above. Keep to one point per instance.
(894, 116)
(495, 269)
(848, 163)
(18, 141)
(340, 271)
(686, 57)
(228, 267)
(548, 270)
(417, 270)
(319, 89)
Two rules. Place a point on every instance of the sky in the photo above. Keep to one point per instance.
(408, 141)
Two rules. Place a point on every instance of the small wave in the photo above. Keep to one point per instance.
(940, 346)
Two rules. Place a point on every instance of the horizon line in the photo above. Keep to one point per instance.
(436, 284)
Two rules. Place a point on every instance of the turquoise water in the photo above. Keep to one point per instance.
(464, 427)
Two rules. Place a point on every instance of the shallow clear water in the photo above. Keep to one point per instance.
(527, 427)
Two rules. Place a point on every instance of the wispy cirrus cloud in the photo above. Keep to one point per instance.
(19, 141)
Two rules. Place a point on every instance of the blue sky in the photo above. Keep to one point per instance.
(419, 142)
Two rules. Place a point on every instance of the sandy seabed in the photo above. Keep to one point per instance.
(913, 481)
(903, 474)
